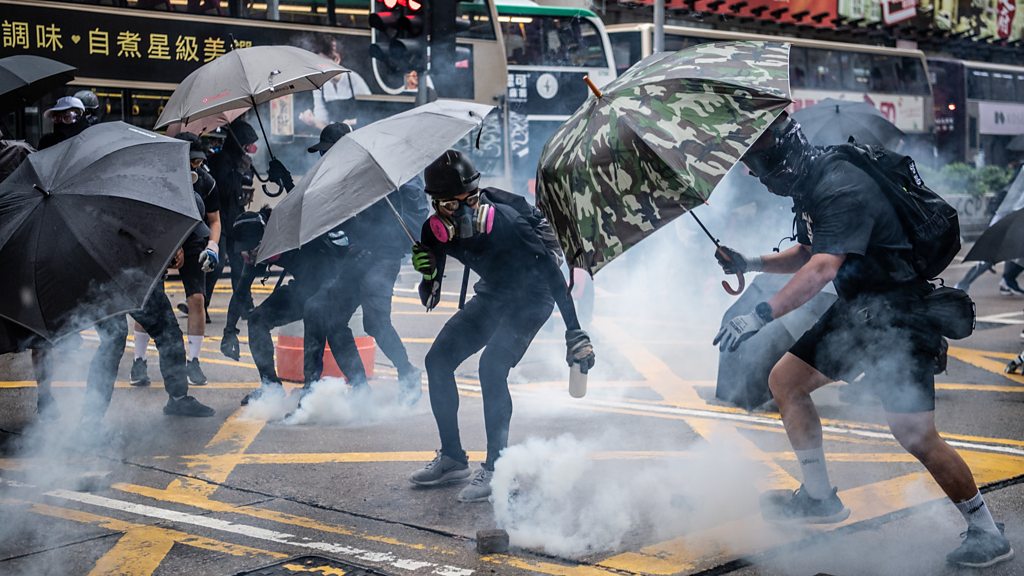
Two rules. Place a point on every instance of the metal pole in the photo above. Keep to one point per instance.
(659, 26)
(400, 220)
(272, 10)
(421, 88)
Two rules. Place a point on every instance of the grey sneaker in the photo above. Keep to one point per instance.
(981, 549)
(195, 373)
(187, 406)
(440, 470)
(797, 506)
(479, 488)
(410, 387)
(140, 376)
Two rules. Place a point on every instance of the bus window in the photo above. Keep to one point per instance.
(1002, 87)
(477, 14)
(675, 43)
(860, 72)
(552, 41)
(798, 67)
(626, 49)
(911, 75)
(1020, 87)
(823, 68)
(978, 85)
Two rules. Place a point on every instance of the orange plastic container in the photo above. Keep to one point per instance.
(289, 357)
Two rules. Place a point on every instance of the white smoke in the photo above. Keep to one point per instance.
(330, 401)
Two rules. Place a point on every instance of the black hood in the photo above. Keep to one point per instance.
(782, 165)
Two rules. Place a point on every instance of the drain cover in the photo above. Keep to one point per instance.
(316, 565)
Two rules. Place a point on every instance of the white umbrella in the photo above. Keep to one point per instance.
(365, 166)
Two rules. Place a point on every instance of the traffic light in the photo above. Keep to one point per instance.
(403, 25)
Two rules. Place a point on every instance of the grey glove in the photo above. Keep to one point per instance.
(579, 350)
(737, 330)
(733, 262)
(208, 258)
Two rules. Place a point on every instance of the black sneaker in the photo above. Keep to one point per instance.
(797, 506)
(187, 406)
(195, 373)
(981, 549)
(139, 376)
(266, 386)
(410, 387)
(183, 308)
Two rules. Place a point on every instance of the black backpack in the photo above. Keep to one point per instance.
(930, 223)
(535, 217)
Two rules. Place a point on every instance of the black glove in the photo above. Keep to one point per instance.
(229, 344)
(737, 330)
(579, 350)
(430, 293)
(279, 174)
(733, 262)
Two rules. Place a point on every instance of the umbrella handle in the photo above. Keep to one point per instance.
(735, 291)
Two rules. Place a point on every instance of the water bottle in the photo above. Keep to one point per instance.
(577, 382)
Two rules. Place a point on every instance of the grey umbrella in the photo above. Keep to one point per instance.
(245, 78)
(364, 167)
(24, 78)
(833, 122)
(87, 227)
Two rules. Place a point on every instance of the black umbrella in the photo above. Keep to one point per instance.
(1017, 144)
(25, 78)
(832, 122)
(1003, 241)
(87, 227)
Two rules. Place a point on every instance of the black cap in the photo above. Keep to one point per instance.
(244, 133)
(329, 135)
(196, 150)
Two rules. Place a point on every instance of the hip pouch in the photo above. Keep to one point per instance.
(952, 311)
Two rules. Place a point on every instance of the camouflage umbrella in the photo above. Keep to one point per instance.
(656, 142)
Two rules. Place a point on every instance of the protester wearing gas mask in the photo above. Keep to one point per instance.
(850, 233)
(93, 115)
(366, 278)
(232, 170)
(200, 256)
(68, 117)
(520, 283)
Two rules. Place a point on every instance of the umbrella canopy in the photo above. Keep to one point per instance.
(25, 78)
(246, 77)
(831, 122)
(1003, 241)
(365, 166)
(656, 143)
(1017, 144)
(87, 227)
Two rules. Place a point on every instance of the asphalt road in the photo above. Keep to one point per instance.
(648, 474)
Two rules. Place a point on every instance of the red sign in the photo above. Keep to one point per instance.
(1004, 18)
(815, 13)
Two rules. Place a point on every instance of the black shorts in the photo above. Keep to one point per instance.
(192, 276)
(880, 337)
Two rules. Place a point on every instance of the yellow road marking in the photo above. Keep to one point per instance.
(993, 362)
(234, 437)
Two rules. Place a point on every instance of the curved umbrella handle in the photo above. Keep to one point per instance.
(735, 291)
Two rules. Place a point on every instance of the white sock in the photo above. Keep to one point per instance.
(977, 514)
(141, 343)
(195, 344)
(812, 464)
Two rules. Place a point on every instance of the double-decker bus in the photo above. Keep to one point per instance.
(893, 80)
(134, 54)
(979, 108)
(549, 50)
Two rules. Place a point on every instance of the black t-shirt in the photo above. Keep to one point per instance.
(845, 212)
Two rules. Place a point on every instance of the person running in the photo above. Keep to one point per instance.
(368, 279)
(850, 234)
(520, 283)
(201, 251)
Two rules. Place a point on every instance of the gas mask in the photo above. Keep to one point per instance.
(781, 164)
(195, 177)
(469, 218)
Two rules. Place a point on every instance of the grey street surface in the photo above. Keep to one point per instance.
(648, 474)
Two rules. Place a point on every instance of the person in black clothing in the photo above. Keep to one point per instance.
(232, 171)
(520, 283)
(157, 317)
(201, 251)
(368, 278)
(313, 268)
(850, 234)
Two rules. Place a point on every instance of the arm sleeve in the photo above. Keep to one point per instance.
(241, 295)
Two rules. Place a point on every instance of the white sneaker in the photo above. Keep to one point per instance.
(479, 488)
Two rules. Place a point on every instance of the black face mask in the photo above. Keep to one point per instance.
(781, 166)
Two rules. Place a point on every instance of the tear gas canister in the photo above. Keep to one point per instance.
(577, 381)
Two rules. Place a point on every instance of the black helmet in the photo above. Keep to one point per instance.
(781, 157)
(88, 98)
(450, 175)
(247, 231)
